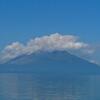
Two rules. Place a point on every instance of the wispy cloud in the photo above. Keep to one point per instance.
(51, 42)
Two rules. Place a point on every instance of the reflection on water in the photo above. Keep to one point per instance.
(23, 86)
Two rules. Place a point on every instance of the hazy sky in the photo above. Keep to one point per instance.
(21, 20)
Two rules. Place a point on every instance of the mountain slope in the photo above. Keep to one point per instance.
(57, 62)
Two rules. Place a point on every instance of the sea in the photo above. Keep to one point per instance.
(30, 86)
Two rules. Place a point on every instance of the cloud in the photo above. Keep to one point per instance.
(11, 51)
(45, 43)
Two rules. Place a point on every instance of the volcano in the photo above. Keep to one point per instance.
(55, 62)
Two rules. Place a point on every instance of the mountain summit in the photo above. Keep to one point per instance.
(57, 62)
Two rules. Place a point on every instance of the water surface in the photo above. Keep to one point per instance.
(28, 86)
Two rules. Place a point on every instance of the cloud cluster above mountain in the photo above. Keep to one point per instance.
(45, 43)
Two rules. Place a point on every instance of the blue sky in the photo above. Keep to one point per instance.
(21, 20)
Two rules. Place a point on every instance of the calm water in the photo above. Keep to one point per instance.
(25, 86)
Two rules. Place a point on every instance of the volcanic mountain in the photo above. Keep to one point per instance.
(55, 62)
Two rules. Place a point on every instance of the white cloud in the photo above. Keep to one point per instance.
(45, 43)
(11, 51)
